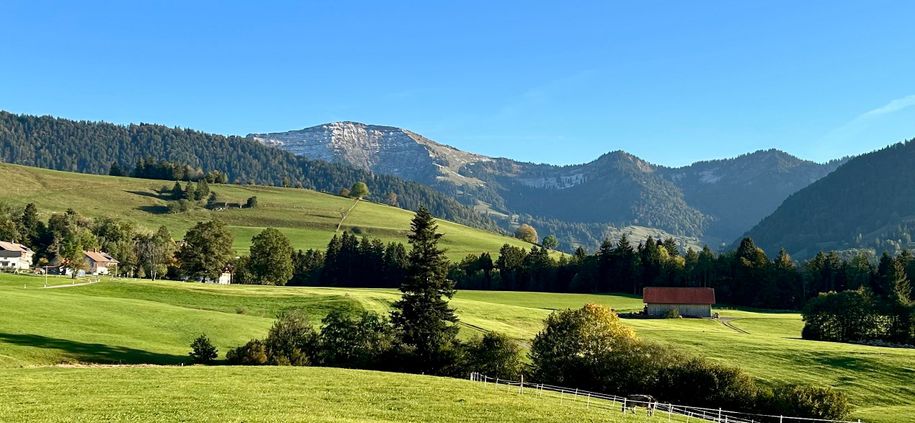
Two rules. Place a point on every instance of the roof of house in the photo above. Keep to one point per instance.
(100, 257)
(663, 295)
(12, 246)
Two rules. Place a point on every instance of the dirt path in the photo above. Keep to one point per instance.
(727, 322)
(70, 285)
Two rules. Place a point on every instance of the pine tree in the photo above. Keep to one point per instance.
(890, 280)
(177, 191)
(422, 315)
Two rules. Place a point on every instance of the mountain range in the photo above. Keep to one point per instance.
(710, 202)
(861, 203)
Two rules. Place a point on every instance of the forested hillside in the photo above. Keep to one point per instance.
(869, 202)
(93, 147)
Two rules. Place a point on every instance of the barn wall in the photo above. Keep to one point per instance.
(686, 310)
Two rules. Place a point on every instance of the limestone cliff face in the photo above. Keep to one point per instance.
(379, 149)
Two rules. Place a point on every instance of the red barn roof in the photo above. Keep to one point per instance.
(658, 295)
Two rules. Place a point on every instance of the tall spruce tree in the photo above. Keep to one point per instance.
(422, 315)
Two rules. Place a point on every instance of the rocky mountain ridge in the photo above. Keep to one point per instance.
(714, 201)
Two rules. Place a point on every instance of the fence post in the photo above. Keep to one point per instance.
(521, 386)
(588, 405)
(719, 415)
(669, 406)
(624, 404)
(781, 419)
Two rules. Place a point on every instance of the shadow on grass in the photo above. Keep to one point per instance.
(154, 209)
(92, 353)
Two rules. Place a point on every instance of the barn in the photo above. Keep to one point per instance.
(688, 302)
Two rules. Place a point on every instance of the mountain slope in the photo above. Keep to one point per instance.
(868, 202)
(737, 193)
(92, 147)
(714, 200)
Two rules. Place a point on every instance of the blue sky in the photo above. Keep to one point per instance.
(557, 82)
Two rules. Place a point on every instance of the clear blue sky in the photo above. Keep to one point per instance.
(672, 82)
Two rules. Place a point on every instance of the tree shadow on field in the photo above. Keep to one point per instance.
(154, 209)
(92, 353)
(144, 194)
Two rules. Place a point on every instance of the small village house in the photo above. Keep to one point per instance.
(686, 302)
(99, 262)
(14, 257)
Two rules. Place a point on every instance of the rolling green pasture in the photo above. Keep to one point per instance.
(277, 394)
(143, 322)
(308, 218)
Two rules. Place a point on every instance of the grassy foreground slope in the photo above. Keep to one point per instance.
(308, 218)
(154, 322)
(278, 394)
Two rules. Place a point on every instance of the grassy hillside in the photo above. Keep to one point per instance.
(308, 218)
(275, 394)
(154, 322)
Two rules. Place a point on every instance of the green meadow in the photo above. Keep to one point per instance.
(142, 322)
(308, 218)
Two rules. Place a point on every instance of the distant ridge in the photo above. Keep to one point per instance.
(713, 201)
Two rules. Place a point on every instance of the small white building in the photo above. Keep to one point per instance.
(15, 256)
(99, 262)
(224, 278)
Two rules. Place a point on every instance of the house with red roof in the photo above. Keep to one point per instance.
(686, 302)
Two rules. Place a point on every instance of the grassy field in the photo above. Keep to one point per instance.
(135, 322)
(272, 394)
(308, 218)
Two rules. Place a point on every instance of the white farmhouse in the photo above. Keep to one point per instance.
(15, 256)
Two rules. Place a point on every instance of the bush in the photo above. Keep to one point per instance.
(573, 343)
(292, 341)
(254, 353)
(699, 382)
(810, 401)
(361, 342)
(203, 351)
(494, 355)
(179, 206)
(251, 203)
(527, 233)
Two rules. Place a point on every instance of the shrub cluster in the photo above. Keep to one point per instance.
(881, 311)
(590, 348)
(366, 340)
